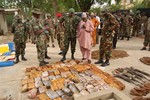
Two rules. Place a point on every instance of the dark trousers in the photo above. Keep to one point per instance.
(115, 40)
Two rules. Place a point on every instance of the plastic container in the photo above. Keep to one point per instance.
(7, 63)
(11, 46)
(4, 48)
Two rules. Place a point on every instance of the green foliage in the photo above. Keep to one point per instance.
(9, 19)
(85, 5)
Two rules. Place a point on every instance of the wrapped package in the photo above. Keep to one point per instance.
(66, 97)
(51, 94)
(45, 74)
(43, 96)
(42, 89)
(52, 77)
(24, 88)
(80, 86)
(90, 88)
(46, 83)
(38, 82)
(60, 92)
(73, 88)
(32, 93)
(31, 86)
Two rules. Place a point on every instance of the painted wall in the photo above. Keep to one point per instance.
(3, 23)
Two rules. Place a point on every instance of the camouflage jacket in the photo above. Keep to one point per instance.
(37, 25)
(49, 23)
(70, 25)
(19, 32)
(110, 25)
(27, 25)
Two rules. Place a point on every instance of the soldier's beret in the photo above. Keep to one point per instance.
(36, 11)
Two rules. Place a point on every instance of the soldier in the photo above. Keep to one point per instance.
(27, 29)
(19, 39)
(110, 24)
(70, 22)
(144, 22)
(60, 36)
(50, 23)
(147, 36)
(40, 37)
(136, 23)
(127, 22)
(115, 37)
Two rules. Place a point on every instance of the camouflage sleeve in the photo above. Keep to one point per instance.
(62, 19)
(115, 23)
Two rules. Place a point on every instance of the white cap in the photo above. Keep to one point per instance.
(84, 15)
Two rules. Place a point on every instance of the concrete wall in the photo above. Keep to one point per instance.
(3, 23)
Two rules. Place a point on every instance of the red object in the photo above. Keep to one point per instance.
(58, 14)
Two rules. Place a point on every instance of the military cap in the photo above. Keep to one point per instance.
(36, 11)
(48, 15)
(137, 12)
(71, 10)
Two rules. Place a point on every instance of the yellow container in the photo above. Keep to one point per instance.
(4, 48)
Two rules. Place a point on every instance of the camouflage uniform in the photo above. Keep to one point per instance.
(128, 26)
(144, 22)
(40, 39)
(60, 36)
(27, 29)
(19, 39)
(136, 25)
(70, 25)
(110, 24)
(147, 36)
(50, 24)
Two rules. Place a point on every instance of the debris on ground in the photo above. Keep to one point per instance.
(145, 60)
(115, 54)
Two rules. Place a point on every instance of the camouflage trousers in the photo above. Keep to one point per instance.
(147, 39)
(105, 47)
(60, 39)
(136, 30)
(67, 41)
(20, 48)
(126, 31)
(51, 35)
(41, 47)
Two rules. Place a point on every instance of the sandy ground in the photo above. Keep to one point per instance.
(10, 76)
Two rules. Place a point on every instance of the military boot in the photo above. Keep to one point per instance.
(23, 58)
(72, 56)
(17, 59)
(42, 63)
(106, 63)
(128, 38)
(45, 62)
(99, 61)
(144, 48)
(46, 56)
(64, 57)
